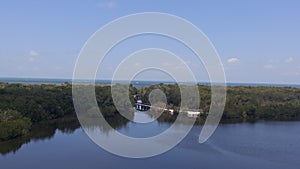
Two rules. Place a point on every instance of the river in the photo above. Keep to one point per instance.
(267, 145)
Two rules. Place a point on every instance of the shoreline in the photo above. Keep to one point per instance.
(43, 103)
(71, 119)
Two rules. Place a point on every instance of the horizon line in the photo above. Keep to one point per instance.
(153, 80)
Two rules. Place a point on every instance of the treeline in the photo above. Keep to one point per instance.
(22, 105)
(242, 102)
(37, 102)
(268, 103)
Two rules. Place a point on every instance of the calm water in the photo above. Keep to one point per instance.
(245, 145)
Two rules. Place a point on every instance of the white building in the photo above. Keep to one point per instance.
(193, 113)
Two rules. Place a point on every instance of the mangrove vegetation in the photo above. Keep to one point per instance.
(23, 106)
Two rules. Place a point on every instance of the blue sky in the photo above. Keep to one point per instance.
(258, 41)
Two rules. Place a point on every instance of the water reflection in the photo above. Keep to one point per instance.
(269, 145)
(47, 130)
(42, 131)
(67, 125)
(115, 122)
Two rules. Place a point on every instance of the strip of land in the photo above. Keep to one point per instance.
(23, 105)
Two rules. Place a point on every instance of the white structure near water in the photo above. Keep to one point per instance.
(193, 113)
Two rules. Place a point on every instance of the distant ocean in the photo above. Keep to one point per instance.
(134, 83)
(60, 81)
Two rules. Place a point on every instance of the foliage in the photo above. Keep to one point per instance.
(13, 124)
(242, 102)
(35, 103)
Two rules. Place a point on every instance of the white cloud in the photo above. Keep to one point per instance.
(32, 55)
(289, 60)
(268, 66)
(233, 60)
(106, 4)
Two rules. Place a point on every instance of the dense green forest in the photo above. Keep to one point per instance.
(13, 124)
(242, 102)
(22, 105)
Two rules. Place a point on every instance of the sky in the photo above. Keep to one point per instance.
(257, 41)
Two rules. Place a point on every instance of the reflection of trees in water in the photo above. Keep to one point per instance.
(41, 131)
(115, 122)
(46, 130)
(13, 145)
(168, 118)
